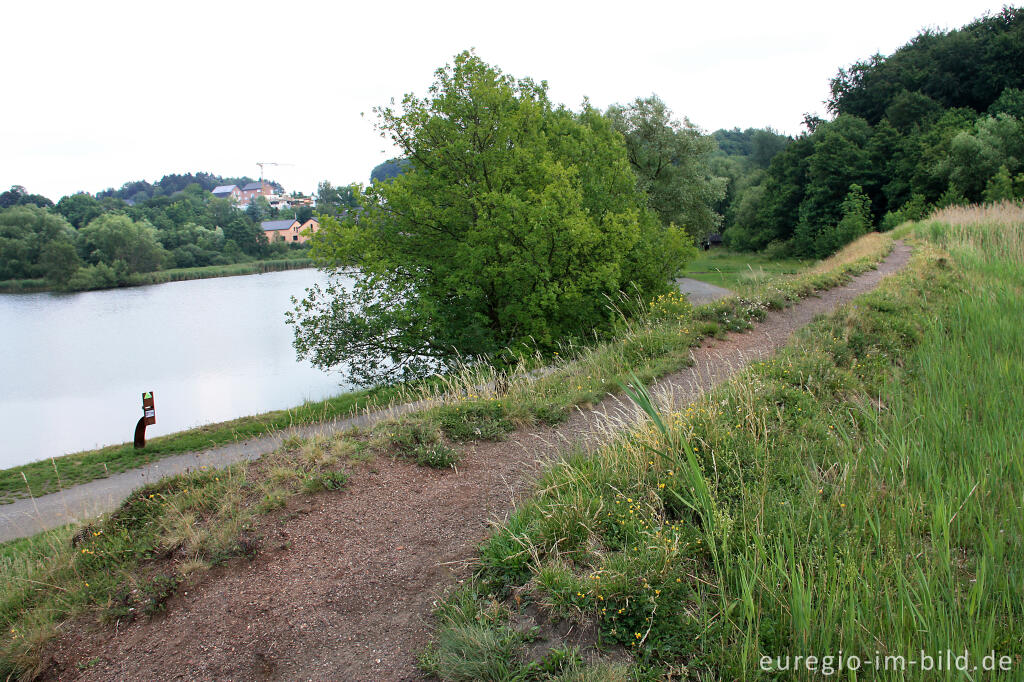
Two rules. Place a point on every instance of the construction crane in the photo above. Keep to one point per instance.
(261, 164)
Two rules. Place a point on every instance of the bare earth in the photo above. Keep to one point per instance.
(344, 585)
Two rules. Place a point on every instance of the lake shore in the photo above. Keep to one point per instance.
(32, 286)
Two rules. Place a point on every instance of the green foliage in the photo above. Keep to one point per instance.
(80, 209)
(60, 260)
(17, 196)
(513, 224)
(669, 158)
(332, 201)
(931, 124)
(855, 223)
(126, 245)
(967, 67)
(437, 456)
(28, 237)
(474, 421)
(389, 170)
(1000, 186)
(915, 209)
(324, 480)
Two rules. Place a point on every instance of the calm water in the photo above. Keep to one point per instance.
(73, 366)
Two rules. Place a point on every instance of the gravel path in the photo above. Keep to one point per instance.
(698, 292)
(344, 584)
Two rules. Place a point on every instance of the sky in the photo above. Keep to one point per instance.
(100, 93)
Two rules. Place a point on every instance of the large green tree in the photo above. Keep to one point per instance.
(510, 228)
(112, 238)
(26, 232)
(670, 159)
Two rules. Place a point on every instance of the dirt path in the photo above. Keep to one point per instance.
(344, 586)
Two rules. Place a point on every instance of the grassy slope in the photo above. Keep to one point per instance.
(858, 492)
(164, 532)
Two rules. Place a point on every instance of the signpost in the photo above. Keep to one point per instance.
(148, 417)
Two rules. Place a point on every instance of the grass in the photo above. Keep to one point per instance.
(131, 561)
(50, 475)
(858, 493)
(731, 269)
(17, 286)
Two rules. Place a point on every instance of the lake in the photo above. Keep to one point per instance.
(73, 366)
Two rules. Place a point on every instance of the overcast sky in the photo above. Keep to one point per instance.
(99, 93)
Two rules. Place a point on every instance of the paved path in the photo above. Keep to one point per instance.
(698, 292)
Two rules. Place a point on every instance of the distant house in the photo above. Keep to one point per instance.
(227, 192)
(255, 189)
(713, 239)
(291, 231)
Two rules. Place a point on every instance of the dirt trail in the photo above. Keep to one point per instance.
(344, 585)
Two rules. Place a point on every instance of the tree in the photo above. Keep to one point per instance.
(670, 159)
(111, 238)
(60, 261)
(25, 233)
(856, 220)
(1000, 186)
(513, 224)
(17, 196)
(332, 200)
(79, 208)
(389, 170)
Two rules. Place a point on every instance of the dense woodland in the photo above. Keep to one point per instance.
(938, 122)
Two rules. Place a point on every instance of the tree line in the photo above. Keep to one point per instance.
(938, 122)
(87, 241)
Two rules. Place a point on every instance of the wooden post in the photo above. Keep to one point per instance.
(148, 417)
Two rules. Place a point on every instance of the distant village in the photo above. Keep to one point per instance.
(289, 230)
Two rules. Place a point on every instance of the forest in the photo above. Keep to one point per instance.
(939, 122)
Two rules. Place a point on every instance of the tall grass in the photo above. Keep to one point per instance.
(862, 498)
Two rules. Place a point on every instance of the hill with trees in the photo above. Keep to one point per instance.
(938, 122)
(92, 242)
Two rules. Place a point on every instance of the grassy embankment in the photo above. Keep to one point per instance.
(50, 475)
(128, 563)
(24, 286)
(654, 341)
(857, 495)
(740, 270)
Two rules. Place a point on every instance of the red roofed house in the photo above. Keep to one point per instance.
(291, 231)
